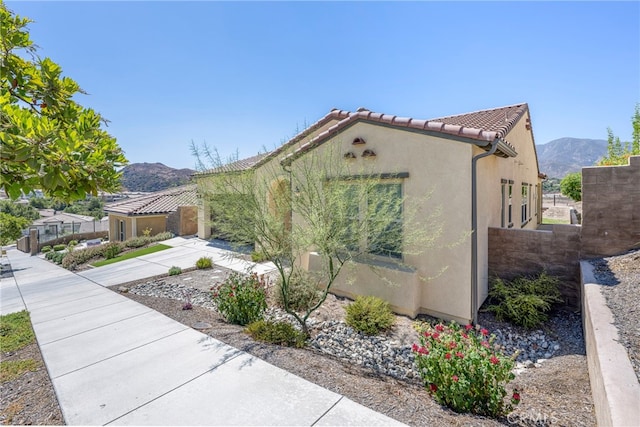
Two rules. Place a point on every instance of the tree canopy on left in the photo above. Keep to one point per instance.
(47, 140)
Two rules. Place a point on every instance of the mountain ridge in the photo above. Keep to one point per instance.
(565, 155)
(150, 177)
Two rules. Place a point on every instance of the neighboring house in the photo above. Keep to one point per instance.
(480, 168)
(60, 224)
(171, 210)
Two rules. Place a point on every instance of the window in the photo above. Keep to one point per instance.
(524, 214)
(122, 231)
(373, 219)
(529, 202)
(506, 196)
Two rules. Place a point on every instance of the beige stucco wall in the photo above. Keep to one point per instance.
(437, 167)
(491, 170)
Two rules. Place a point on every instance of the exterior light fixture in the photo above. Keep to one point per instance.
(368, 153)
(359, 141)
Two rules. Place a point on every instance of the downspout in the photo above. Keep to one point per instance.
(474, 230)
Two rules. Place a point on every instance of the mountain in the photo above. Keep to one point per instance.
(153, 177)
(565, 155)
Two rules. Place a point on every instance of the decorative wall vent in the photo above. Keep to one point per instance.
(359, 141)
(368, 153)
(349, 155)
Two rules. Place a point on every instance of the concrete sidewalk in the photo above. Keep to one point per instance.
(114, 361)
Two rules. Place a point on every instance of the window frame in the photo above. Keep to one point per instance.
(362, 213)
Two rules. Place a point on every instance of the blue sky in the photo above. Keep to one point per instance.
(244, 76)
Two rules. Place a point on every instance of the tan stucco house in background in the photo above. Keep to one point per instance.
(173, 210)
(480, 168)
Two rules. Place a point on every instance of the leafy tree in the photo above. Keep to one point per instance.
(11, 228)
(618, 152)
(571, 186)
(551, 185)
(19, 210)
(47, 140)
(289, 210)
(93, 206)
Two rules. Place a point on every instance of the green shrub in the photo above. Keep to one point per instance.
(204, 262)
(60, 247)
(241, 299)
(461, 369)
(525, 301)
(73, 243)
(55, 257)
(137, 242)
(111, 250)
(258, 256)
(46, 249)
(161, 236)
(82, 256)
(174, 271)
(280, 333)
(370, 315)
(303, 292)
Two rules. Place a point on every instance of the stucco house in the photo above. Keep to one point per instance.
(62, 223)
(481, 170)
(173, 210)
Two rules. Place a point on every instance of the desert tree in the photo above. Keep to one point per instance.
(618, 152)
(47, 140)
(317, 203)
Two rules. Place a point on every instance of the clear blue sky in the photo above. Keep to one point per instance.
(245, 75)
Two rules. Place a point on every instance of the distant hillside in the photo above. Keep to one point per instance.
(565, 155)
(153, 177)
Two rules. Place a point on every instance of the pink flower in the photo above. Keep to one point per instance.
(460, 355)
(423, 350)
(516, 396)
(433, 387)
(494, 360)
(485, 344)
(435, 336)
(468, 327)
(426, 334)
(447, 356)
(452, 344)
(484, 332)
(414, 347)
(465, 336)
(439, 328)
(455, 378)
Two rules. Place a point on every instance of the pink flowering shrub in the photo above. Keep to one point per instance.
(463, 370)
(241, 299)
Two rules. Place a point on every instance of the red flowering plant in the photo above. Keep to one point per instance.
(241, 299)
(463, 370)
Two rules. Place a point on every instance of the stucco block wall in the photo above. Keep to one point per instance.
(184, 221)
(611, 208)
(515, 252)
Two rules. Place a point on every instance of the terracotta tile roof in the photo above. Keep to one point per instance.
(483, 126)
(160, 202)
(237, 166)
(498, 120)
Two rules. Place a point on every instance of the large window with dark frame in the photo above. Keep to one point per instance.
(377, 217)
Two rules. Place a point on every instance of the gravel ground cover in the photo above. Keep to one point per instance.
(378, 371)
(555, 390)
(621, 275)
